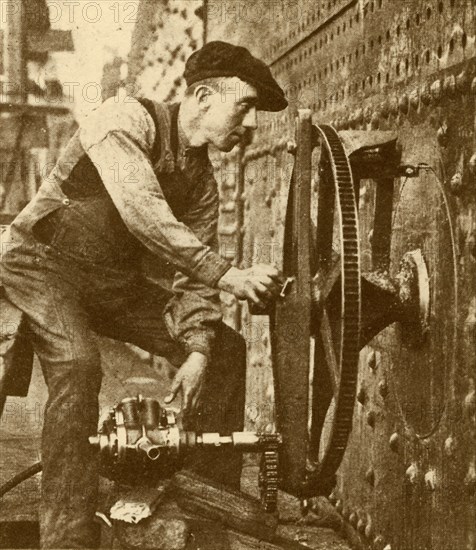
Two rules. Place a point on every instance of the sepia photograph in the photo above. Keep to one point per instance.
(238, 274)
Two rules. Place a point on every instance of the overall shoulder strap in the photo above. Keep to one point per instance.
(162, 155)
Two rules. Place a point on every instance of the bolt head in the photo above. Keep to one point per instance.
(412, 473)
(449, 446)
(353, 519)
(442, 135)
(372, 360)
(462, 81)
(436, 89)
(414, 99)
(472, 164)
(457, 184)
(291, 147)
(394, 441)
(371, 418)
(425, 94)
(370, 476)
(361, 396)
(339, 506)
(361, 526)
(449, 85)
(403, 104)
(383, 388)
(430, 480)
(470, 479)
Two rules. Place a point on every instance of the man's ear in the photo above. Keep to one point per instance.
(202, 94)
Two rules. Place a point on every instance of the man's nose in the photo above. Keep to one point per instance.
(251, 119)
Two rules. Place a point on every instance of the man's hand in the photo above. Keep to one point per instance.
(189, 380)
(258, 284)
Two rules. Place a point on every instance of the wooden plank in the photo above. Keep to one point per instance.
(236, 510)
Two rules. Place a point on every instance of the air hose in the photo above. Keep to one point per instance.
(19, 478)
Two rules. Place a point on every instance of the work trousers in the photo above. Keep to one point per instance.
(67, 305)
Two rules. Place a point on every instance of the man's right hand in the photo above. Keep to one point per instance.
(259, 284)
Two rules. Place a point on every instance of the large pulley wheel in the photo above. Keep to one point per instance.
(315, 329)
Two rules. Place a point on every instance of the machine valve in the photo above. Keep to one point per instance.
(139, 441)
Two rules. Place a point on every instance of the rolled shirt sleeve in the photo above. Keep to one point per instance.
(118, 139)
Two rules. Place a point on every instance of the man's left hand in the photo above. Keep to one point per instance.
(189, 380)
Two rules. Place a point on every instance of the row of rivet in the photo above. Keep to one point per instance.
(363, 525)
(424, 95)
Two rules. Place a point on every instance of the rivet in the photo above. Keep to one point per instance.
(425, 94)
(403, 104)
(473, 86)
(353, 519)
(370, 476)
(375, 121)
(462, 82)
(361, 526)
(472, 164)
(332, 496)
(371, 418)
(394, 105)
(383, 388)
(457, 184)
(372, 360)
(379, 542)
(394, 441)
(470, 403)
(430, 480)
(414, 99)
(385, 109)
(339, 506)
(449, 446)
(368, 530)
(442, 135)
(436, 90)
(470, 479)
(358, 116)
(449, 86)
(361, 395)
(412, 473)
(291, 147)
(268, 201)
(370, 236)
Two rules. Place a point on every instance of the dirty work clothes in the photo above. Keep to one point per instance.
(75, 264)
(128, 187)
(66, 307)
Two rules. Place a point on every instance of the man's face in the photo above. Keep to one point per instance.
(229, 114)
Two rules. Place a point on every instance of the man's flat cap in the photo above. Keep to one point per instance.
(223, 59)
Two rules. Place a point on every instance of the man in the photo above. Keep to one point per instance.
(135, 182)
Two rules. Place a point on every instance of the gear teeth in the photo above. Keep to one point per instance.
(268, 474)
(338, 164)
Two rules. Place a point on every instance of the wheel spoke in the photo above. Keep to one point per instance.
(329, 352)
